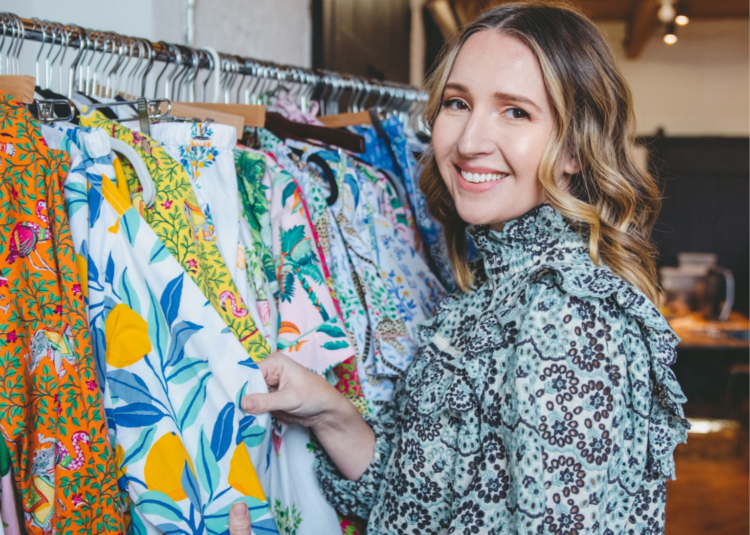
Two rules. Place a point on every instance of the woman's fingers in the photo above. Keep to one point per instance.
(274, 402)
(239, 519)
(272, 368)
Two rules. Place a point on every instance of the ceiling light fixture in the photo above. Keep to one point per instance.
(670, 35)
(667, 11)
(682, 18)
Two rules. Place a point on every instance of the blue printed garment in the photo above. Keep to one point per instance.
(406, 167)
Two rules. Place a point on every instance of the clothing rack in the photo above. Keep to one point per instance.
(326, 86)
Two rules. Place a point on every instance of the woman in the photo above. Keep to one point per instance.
(541, 399)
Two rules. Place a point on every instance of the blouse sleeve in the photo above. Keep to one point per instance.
(357, 498)
(571, 416)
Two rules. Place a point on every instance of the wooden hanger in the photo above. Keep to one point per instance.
(197, 111)
(284, 128)
(19, 86)
(252, 114)
(343, 120)
(258, 117)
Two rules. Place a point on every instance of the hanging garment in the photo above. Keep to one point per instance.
(54, 420)
(393, 150)
(84, 169)
(280, 466)
(272, 200)
(186, 231)
(403, 291)
(205, 151)
(395, 286)
(9, 522)
(348, 287)
(181, 439)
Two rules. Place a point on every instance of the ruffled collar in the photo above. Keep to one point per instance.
(540, 235)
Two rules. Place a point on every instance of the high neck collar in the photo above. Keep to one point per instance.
(531, 239)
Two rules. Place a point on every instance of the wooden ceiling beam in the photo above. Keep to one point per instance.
(444, 16)
(640, 26)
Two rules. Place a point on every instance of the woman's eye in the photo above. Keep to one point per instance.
(455, 104)
(516, 113)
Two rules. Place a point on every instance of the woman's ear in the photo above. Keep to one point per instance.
(571, 166)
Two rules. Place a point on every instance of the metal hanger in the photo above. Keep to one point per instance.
(118, 51)
(57, 61)
(169, 84)
(209, 73)
(74, 65)
(20, 38)
(166, 65)
(151, 56)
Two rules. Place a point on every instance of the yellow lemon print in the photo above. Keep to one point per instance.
(242, 476)
(164, 465)
(127, 337)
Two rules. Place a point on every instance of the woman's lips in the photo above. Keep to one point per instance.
(475, 187)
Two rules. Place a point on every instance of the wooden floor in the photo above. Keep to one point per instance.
(709, 497)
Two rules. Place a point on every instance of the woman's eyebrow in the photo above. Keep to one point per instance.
(499, 95)
(456, 87)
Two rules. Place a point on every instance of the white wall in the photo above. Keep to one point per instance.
(698, 87)
(276, 30)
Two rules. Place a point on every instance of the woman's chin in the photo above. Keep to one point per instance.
(477, 217)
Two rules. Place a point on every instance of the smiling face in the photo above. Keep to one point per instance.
(492, 130)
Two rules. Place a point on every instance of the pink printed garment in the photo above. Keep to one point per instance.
(311, 331)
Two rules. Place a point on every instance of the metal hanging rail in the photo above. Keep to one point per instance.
(318, 83)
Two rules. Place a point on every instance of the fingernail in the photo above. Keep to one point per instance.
(239, 509)
(247, 405)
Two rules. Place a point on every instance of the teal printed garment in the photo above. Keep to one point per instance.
(540, 401)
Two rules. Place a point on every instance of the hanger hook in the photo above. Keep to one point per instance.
(150, 55)
(211, 65)
(166, 64)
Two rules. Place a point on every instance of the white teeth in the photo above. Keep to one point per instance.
(478, 178)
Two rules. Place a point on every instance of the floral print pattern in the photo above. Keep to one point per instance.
(395, 152)
(206, 152)
(51, 412)
(395, 288)
(186, 231)
(185, 451)
(541, 401)
(311, 330)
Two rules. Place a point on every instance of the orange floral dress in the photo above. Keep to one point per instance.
(51, 412)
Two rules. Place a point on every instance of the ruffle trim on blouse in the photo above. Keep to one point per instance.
(668, 425)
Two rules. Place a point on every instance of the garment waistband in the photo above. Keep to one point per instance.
(218, 136)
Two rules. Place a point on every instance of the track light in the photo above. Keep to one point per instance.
(666, 12)
(682, 18)
(670, 35)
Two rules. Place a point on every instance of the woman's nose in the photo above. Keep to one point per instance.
(476, 136)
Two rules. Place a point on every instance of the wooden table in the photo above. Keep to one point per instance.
(698, 333)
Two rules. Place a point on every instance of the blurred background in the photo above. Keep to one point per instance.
(687, 64)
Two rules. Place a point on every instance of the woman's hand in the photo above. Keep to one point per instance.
(239, 519)
(298, 395)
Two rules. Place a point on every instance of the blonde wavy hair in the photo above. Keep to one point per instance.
(610, 200)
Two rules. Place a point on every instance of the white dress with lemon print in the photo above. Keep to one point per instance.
(186, 451)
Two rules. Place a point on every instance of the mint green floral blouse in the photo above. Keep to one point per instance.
(541, 401)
